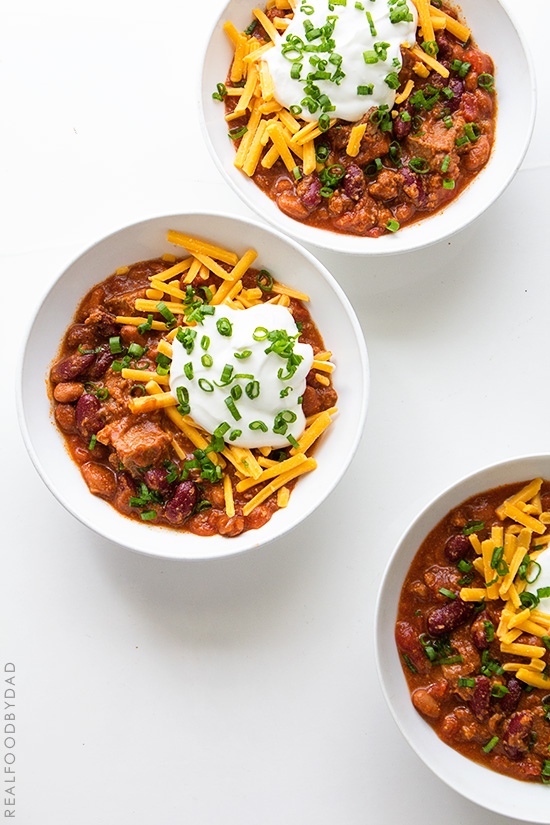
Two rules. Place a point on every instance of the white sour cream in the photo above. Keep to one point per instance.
(353, 35)
(212, 352)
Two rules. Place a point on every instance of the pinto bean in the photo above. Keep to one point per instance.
(457, 548)
(88, 415)
(292, 206)
(65, 417)
(478, 155)
(448, 617)
(230, 525)
(101, 480)
(428, 700)
(182, 502)
(67, 392)
(426, 704)
(71, 367)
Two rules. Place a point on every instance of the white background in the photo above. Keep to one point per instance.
(240, 691)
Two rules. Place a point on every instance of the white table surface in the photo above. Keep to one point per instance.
(241, 691)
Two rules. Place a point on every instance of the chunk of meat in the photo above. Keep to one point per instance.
(435, 142)
(387, 185)
(138, 441)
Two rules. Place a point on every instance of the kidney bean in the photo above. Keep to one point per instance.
(103, 361)
(479, 632)
(510, 700)
(401, 128)
(71, 367)
(354, 182)
(480, 703)
(444, 45)
(309, 191)
(182, 502)
(155, 479)
(516, 733)
(457, 548)
(448, 617)
(67, 392)
(65, 417)
(457, 88)
(88, 415)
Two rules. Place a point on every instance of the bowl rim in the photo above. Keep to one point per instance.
(252, 538)
(391, 244)
(387, 669)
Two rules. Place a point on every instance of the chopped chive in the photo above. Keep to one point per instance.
(490, 744)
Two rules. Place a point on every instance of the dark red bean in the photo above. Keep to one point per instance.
(457, 548)
(451, 615)
(88, 415)
(155, 479)
(480, 703)
(457, 88)
(510, 700)
(310, 191)
(479, 632)
(354, 182)
(444, 45)
(71, 367)
(103, 361)
(401, 128)
(182, 502)
(517, 733)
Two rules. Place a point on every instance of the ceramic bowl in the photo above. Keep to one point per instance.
(495, 32)
(289, 263)
(498, 793)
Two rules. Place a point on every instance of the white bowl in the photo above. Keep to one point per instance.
(296, 267)
(501, 794)
(495, 33)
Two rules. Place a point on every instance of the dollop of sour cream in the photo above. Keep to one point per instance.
(243, 373)
(350, 51)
